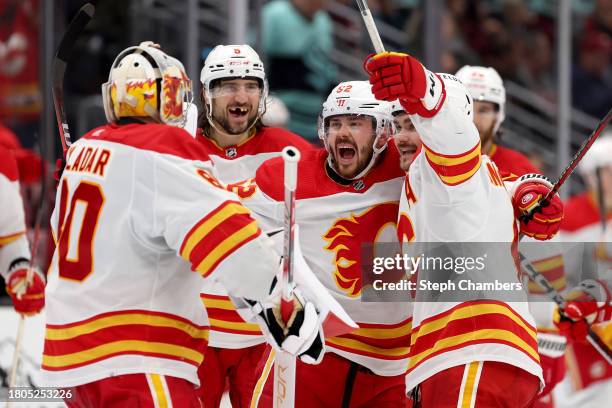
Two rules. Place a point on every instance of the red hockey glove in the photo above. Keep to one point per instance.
(527, 192)
(551, 347)
(28, 297)
(395, 75)
(586, 304)
(553, 371)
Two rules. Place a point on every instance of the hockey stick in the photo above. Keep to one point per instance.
(570, 167)
(552, 293)
(370, 26)
(40, 211)
(284, 363)
(76, 26)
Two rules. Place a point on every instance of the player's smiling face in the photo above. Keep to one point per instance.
(235, 103)
(407, 140)
(350, 139)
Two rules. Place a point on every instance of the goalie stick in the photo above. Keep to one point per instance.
(552, 293)
(64, 50)
(284, 363)
(76, 26)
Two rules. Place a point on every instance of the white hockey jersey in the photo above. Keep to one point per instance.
(336, 217)
(13, 240)
(452, 193)
(235, 164)
(133, 200)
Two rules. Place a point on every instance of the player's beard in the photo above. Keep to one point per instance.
(224, 121)
(363, 155)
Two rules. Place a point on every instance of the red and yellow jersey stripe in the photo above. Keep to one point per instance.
(223, 317)
(454, 169)
(7, 239)
(553, 271)
(471, 323)
(218, 235)
(129, 332)
(382, 341)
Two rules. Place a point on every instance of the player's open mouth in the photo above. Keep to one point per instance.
(345, 152)
(407, 149)
(238, 112)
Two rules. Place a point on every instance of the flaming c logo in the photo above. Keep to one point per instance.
(173, 107)
(345, 239)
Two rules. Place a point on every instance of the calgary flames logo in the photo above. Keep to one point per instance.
(173, 103)
(346, 237)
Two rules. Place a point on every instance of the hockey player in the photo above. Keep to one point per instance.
(588, 223)
(347, 197)
(136, 204)
(407, 139)
(487, 88)
(471, 349)
(28, 295)
(234, 96)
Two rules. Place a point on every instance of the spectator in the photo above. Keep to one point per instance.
(536, 71)
(591, 84)
(297, 40)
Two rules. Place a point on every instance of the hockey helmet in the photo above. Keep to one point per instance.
(145, 82)
(485, 84)
(233, 61)
(356, 98)
(599, 155)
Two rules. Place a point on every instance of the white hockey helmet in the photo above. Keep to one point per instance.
(356, 98)
(145, 82)
(485, 84)
(599, 155)
(233, 61)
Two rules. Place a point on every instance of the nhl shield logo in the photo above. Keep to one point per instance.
(358, 185)
(231, 152)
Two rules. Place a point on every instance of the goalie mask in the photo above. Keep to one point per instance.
(233, 62)
(355, 98)
(146, 83)
(485, 84)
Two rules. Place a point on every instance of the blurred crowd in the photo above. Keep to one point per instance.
(516, 37)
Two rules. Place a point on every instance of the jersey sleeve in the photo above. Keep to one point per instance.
(456, 181)
(450, 139)
(205, 224)
(13, 240)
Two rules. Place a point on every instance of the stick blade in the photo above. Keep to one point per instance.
(78, 23)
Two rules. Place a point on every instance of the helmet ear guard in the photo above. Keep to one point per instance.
(144, 82)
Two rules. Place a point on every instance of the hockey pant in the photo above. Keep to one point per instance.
(479, 384)
(335, 383)
(232, 367)
(135, 390)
